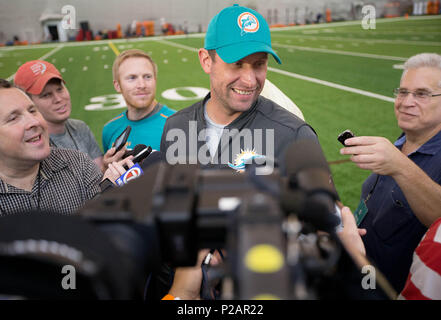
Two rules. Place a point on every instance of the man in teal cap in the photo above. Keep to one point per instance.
(233, 122)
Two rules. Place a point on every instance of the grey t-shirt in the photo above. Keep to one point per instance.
(78, 137)
(214, 133)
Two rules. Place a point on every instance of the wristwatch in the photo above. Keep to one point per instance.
(105, 184)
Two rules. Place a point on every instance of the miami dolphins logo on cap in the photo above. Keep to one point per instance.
(247, 23)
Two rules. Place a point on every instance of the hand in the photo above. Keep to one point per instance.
(187, 281)
(376, 154)
(350, 236)
(116, 169)
(110, 156)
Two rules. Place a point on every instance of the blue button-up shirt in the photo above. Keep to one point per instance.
(393, 231)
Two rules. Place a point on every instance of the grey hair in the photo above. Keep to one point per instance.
(430, 60)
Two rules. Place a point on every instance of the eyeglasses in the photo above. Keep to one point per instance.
(421, 95)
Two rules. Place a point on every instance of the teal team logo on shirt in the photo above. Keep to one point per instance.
(244, 157)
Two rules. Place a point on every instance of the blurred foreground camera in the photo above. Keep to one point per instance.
(270, 226)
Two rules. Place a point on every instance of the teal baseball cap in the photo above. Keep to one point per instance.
(237, 32)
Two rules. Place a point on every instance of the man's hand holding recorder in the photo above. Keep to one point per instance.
(123, 165)
(377, 154)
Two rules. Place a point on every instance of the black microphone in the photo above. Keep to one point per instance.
(138, 148)
(140, 152)
(310, 192)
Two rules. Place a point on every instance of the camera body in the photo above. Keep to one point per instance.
(191, 208)
(268, 224)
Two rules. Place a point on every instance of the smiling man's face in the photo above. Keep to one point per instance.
(420, 116)
(137, 83)
(53, 102)
(23, 131)
(236, 86)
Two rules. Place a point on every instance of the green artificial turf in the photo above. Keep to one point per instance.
(86, 67)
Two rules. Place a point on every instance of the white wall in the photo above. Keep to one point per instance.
(21, 17)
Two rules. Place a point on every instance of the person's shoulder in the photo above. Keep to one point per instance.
(186, 113)
(433, 231)
(271, 111)
(77, 124)
(67, 162)
(60, 158)
(66, 154)
(118, 117)
(437, 223)
(166, 111)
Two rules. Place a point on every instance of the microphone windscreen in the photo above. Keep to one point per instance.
(138, 148)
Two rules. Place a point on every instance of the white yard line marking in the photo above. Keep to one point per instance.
(306, 78)
(346, 53)
(386, 41)
(47, 55)
(332, 85)
(100, 42)
(177, 45)
(352, 23)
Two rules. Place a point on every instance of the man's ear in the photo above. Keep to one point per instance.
(205, 60)
(116, 86)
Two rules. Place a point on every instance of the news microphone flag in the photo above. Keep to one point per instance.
(134, 172)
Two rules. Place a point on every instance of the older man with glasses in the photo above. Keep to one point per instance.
(402, 196)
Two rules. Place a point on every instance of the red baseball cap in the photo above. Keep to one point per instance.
(33, 76)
